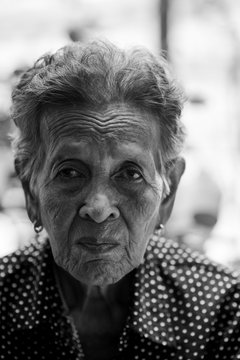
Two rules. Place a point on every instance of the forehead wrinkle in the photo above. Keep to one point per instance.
(78, 124)
(116, 122)
(99, 119)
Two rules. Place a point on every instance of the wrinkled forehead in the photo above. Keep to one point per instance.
(116, 122)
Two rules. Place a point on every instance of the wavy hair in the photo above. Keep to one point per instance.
(94, 75)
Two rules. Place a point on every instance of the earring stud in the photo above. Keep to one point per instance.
(160, 227)
(37, 228)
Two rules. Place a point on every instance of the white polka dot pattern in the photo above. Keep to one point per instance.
(183, 308)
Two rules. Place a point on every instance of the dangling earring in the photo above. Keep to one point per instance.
(37, 227)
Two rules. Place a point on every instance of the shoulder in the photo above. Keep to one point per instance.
(23, 284)
(199, 299)
(22, 264)
(191, 272)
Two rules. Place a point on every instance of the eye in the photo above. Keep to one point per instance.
(70, 173)
(130, 174)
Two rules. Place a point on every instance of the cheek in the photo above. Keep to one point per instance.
(57, 213)
(55, 210)
(142, 205)
(141, 215)
(143, 211)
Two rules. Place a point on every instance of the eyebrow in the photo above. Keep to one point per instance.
(138, 157)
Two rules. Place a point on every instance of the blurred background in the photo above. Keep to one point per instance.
(201, 40)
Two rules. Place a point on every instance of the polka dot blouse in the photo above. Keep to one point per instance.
(184, 308)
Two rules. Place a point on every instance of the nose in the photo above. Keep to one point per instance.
(99, 209)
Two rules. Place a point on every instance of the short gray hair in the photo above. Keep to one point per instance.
(94, 75)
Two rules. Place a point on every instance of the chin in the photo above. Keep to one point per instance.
(101, 273)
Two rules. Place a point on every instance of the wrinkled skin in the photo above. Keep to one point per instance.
(100, 185)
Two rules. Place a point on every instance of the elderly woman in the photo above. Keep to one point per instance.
(97, 152)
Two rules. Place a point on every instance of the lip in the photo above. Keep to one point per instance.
(97, 247)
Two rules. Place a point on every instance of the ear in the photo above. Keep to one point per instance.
(174, 174)
(31, 203)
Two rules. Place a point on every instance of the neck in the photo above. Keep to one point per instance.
(78, 295)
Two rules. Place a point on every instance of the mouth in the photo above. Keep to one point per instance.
(97, 247)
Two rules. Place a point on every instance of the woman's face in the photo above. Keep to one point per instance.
(99, 190)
